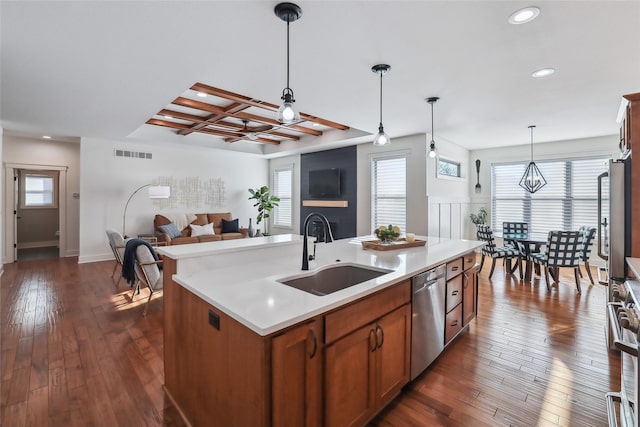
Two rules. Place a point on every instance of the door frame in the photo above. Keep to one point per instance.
(10, 220)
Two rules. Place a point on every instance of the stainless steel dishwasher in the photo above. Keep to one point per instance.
(427, 324)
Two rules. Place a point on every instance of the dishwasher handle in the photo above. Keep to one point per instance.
(424, 287)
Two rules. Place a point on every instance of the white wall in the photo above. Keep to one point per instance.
(107, 182)
(43, 152)
(448, 196)
(279, 163)
(414, 147)
(2, 245)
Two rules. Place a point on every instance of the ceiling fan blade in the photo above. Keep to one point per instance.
(259, 128)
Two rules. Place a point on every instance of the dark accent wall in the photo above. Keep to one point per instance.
(343, 220)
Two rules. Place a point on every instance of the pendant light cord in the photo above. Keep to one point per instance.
(288, 54)
(531, 127)
(432, 139)
(381, 73)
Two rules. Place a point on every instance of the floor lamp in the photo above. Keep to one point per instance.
(155, 192)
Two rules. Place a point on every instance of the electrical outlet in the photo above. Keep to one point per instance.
(214, 320)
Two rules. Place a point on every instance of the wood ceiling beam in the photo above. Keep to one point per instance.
(221, 93)
(233, 108)
(167, 124)
(198, 105)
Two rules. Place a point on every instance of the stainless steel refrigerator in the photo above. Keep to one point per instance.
(614, 229)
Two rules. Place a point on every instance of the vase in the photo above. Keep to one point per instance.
(251, 231)
(258, 233)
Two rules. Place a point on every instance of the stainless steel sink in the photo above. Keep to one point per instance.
(333, 279)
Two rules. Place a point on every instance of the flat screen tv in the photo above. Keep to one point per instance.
(324, 183)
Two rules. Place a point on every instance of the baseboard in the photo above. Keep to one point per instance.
(31, 245)
(95, 258)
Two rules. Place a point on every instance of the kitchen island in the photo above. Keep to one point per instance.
(241, 348)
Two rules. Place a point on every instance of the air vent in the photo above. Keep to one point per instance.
(133, 154)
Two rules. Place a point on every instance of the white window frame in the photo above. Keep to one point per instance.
(568, 202)
(377, 158)
(53, 175)
(445, 176)
(278, 209)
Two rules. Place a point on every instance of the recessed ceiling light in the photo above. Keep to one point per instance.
(525, 15)
(46, 137)
(315, 125)
(168, 117)
(201, 94)
(543, 72)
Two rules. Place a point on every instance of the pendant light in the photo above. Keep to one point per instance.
(532, 180)
(288, 12)
(381, 138)
(433, 152)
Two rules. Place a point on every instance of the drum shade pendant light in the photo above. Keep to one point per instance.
(288, 12)
(381, 138)
(532, 180)
(433, 152)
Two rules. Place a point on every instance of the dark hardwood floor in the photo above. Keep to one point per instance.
(76, 352)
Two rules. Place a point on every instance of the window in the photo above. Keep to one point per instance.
(38, 189)
(449, 168)
(389, 192)
(283, 188)
(567, 202)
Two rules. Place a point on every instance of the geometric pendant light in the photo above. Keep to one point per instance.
(381, 138)
(532, 180)
(288, 12)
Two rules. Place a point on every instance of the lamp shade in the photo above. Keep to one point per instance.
(159, 192)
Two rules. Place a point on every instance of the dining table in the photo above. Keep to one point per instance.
(528, 243)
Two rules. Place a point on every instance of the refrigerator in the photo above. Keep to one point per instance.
(614, 228)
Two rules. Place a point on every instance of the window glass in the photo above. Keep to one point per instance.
(389, 192)
(38, 190)
(448, 168)
(283, 188)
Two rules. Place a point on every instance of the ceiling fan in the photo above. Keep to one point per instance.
(251, 132)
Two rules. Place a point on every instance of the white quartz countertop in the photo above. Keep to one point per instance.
(246, 285)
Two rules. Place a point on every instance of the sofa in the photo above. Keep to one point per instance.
(202, 219)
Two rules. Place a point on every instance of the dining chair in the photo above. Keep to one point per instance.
(147, 273)
(485, 234)
(516, 228)
(588, 235)
(562, 251)
(117, 244)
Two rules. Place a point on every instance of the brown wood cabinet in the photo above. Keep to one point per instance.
(630, 141)
(462, 293)
(365, 369)
(296, 372)
(469, 295)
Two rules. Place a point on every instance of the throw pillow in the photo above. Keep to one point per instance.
(171, 229)
(230, 226)
(202, 230)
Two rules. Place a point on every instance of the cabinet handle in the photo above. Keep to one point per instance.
(454, 268)
(315, 343)
(379, 328)
(454, 323)
(454, 293)
(375, 337)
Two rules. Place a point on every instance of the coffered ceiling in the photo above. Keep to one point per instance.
(231, 116)
(104, 69)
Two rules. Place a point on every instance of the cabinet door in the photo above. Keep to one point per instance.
(297, 377)
(349, 378)
(392, 353)
(469, 295)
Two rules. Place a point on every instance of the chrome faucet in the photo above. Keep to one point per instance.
(327, 233)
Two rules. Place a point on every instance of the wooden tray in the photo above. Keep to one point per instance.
(398, 244)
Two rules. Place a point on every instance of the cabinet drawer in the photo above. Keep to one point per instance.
(453, 323)
(454, 268)
(365, 310)
(469, 260)
(454, 292)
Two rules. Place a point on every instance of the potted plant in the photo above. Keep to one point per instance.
(480, 218)
(265, 202)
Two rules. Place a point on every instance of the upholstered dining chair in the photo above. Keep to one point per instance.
(515, 228)
(588, 235)
(147, 273)
(117, 244)
(562, 251)
(485, 234)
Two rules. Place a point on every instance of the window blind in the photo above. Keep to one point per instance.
(567, 202)
(283, 188)
(389, 192)
(39, 191)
